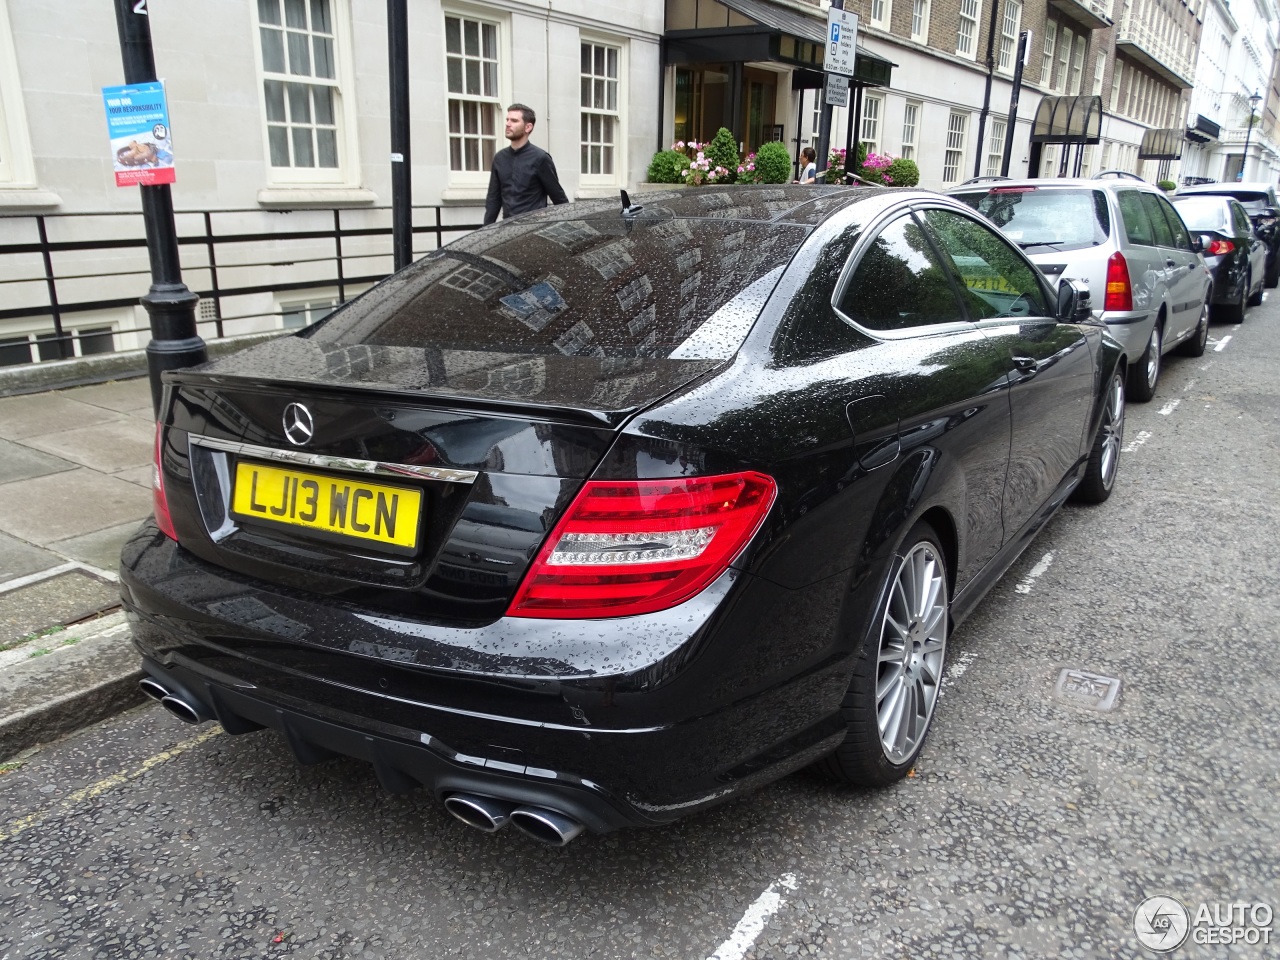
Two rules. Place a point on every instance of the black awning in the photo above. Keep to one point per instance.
(1203, 130)
(1162, 144)
(781, 18)
(1068, 120)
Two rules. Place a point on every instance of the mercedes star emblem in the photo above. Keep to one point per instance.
(298, 425)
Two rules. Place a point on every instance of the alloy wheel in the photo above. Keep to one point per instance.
(1153, 357)
(913, 641)
(1112, 431)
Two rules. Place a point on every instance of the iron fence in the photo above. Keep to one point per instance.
(30, 255)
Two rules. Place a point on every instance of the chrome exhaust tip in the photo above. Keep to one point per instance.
(180, 708)
(483, 813)
(546, 826)
(153, 689)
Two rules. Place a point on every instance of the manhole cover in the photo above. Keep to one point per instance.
(1091, 690)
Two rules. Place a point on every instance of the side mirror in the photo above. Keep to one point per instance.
(1074, 301)
(1201, 243)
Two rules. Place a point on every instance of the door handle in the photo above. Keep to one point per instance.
(1025, 364)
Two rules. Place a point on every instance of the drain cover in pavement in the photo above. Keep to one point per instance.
(61, 599)
(1088, 689)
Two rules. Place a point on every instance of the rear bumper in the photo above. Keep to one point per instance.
(691, 728)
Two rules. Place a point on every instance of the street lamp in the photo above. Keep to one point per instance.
(1254, 99)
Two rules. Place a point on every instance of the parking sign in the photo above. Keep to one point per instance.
(842, 39)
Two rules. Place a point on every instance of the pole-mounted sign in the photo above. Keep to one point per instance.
(842, 42)
(138, 125)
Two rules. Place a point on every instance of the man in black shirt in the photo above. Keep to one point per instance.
(523, 176)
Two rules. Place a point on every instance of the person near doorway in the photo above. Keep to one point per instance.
(810, 172)
(523, 176)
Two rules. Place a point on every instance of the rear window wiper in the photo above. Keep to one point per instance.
(1040, 243)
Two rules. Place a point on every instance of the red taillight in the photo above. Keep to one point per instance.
(1119, 291)
(1218, 247)
(634, 546)
(163, 520)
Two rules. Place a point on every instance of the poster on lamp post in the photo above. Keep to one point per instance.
(138, 125)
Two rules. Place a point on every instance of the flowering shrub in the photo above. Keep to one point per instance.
(699, 169)
(875, 168)
(747, 172)
(835, 166)
(695, 164)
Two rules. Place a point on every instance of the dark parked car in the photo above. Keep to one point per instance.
(1260, 202)
(595, 519)
(1232, 251)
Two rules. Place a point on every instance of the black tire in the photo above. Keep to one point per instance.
(1200, 337)
(1104, 458)
(1234, 312)
(914, 637)
(1145, 373)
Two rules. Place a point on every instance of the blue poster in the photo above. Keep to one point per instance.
(138, 125)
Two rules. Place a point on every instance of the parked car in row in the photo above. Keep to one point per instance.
(1121, 236)
(1233, 252)
(1261, 204)
(600, 517)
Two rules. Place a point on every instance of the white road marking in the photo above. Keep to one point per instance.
(956, 670)
(1142, 437)
(1038, 571)
(753, 921)
(1222, 343)
(1190, 383)
(1169, 407)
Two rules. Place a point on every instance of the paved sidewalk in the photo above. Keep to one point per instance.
(75, 480)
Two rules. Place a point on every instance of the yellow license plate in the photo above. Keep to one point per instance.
(329, 505)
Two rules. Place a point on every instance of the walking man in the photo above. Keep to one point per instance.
(523, 176)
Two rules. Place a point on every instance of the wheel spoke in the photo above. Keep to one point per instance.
(887, 680)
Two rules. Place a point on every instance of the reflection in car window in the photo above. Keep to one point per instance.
(1042, 219)
(590, 287)
(993, 279)
(1181, 239)
(1159, 225)
(1137, 227)
(899, 283)
(1243, 224)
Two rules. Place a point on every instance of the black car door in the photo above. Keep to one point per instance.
(1048, 363)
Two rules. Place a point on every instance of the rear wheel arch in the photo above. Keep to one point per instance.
(940, 520)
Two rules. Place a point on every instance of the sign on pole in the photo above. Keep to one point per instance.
(138, 125)
(837, 90)
(842, 41)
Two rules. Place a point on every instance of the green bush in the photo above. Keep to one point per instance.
(722, 151)
(903, 173)
(1167, 185)
(773, 163)
(666, 165)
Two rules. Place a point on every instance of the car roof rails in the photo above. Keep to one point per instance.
(982, 179)
(1118, 174)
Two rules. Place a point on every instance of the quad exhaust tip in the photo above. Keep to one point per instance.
(491, 815)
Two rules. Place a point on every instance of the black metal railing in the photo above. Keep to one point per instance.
(275, 254)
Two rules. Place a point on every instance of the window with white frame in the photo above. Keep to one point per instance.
(1046, 56)
(1117, 73)
(920, 21)
(995, 149)
(471, 70)
(953, 156)
(1065, 38)
(1009, 34)
(19, 349)
(1077, 63)
(910, 123)
(1049, 161)
(302, 313)
(601, 120)
(872, 108)
(967, 32)
(301, 92)
(1099, 73)
(16, 165)
(881, 11)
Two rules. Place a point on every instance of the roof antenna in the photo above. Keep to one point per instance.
(627, 209)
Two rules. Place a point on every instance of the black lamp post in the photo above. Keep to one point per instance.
(1254, 99)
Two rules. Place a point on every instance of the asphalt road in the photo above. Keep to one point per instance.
(1033, 827)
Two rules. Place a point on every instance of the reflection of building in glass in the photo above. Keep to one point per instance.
(526, 378)
(632, 294)
(570, 234)
(576, 342)
(611, 259)
(473, 281)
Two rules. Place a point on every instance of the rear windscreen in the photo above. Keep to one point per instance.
(1203, 213)
(1040, 220)
(588, 287)
(1253, 202)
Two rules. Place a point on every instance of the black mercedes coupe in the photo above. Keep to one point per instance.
(605, 514)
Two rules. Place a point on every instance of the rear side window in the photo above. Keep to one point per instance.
(994, 280)
(1181, 239)
(1159, 225)
(1040, 219)
(578, 287)
(899, 284)
(1242, 222)
(1137, 226)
